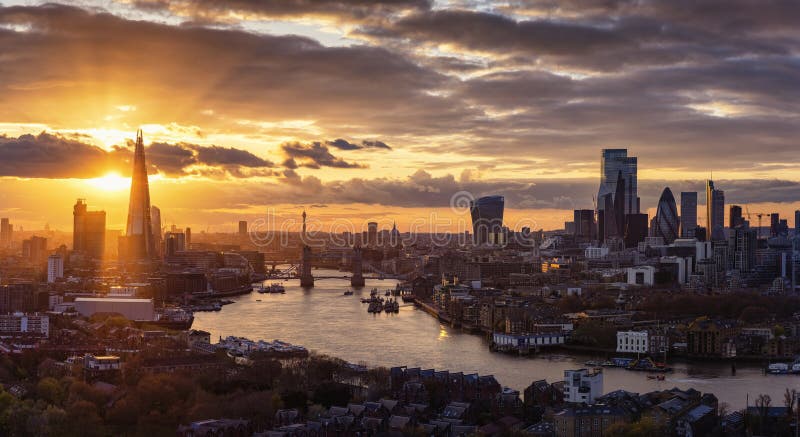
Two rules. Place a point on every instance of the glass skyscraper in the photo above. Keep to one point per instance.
(487, 219)
(139, 233)
(612, 163)
(715, 212)
(666, 220)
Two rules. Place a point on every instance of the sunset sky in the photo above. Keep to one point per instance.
(384, 110)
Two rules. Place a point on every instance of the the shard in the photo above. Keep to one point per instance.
(139, 234)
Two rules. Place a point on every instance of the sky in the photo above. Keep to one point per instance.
(392, 110)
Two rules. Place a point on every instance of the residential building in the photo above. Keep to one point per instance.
(582, 385)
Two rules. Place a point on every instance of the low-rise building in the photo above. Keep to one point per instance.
(582, 385)
(587, 421)
(17, 324)
(635, 342)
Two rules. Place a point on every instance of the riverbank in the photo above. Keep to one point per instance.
(326, 321)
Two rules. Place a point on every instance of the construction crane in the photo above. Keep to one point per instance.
(759, 215)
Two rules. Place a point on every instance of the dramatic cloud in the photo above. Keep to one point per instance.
(508, 95)
(54, 156)
(50, 156)
(314, 155)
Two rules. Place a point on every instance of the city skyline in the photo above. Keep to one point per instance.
(420, 132)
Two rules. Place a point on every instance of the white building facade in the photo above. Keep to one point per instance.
(582, 385)
(635, 342)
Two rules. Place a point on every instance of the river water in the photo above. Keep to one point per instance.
(324, 320)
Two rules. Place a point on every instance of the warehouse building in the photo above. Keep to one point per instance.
(131, 309)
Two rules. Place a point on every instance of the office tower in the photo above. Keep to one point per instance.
(242, 228)
(735, 219)
(174, 242)
(584, 224)
(139, 233)
(666, 222)
(88, 231)
(55, 268)
(487, 219)
(34, 249)
(612, 163)
(5, 232)
(774, 220)
(783, 228)
(394, 236)
(797, 223)
(372, 233)
(688, 213)
(155, 227)
(742, 246)
(188, 232)
(715, 212)
(620, 207)
(635, 229)
(609, 217)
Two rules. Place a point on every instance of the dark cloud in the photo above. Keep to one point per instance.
(375, 144)
(366, 144)
(56, 156)
(222, 156)
(50, 156)
(314, 155)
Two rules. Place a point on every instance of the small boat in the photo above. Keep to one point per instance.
(258, 300)
(778, 368)
(277, 288)
(348, 293)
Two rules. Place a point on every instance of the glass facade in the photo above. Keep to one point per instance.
(487, 219)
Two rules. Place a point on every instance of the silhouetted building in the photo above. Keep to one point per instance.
(34, 249)
(742, 247)
(138, 242)
(735, 219)
(612, 163)
(6, 230)
(88, 231)
(774, 222)
(242, 228)
(188, 233)
(715, 212)
(174, 242)
(688, 213)
(797, 222)
(585, 226)
(155, 227)
(666, 220)
(635, 229)
(487, 219)
(372, 234)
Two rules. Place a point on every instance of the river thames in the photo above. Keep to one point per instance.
(324, 320)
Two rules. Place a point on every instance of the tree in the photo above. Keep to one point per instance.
(644, 427)
(50, 390)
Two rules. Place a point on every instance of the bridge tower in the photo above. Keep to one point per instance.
(357, 280)
(306, 278)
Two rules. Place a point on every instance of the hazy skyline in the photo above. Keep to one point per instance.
(362, 109)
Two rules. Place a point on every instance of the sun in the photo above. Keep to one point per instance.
(110, 182)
